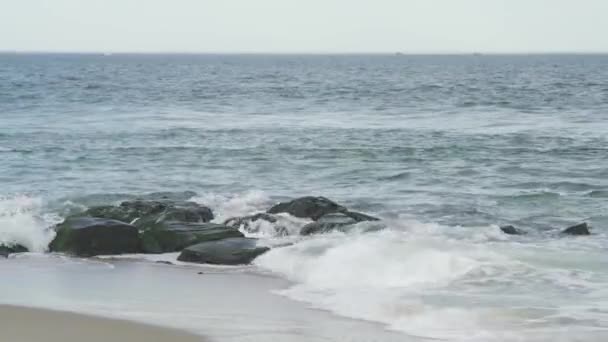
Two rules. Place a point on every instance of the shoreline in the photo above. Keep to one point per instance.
(228, 305)
(29, 324)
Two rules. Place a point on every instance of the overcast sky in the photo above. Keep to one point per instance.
(316, 26)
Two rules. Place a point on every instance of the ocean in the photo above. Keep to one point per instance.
(445, 149)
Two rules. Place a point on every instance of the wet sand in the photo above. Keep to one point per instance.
(221, 304)
(19, 324)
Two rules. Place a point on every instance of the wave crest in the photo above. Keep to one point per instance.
(23, 222)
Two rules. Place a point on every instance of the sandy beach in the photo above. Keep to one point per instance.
(20, 324)
(224, 305)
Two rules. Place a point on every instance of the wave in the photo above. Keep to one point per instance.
(232, 205)
(422, 279)
(23, 222)
(380, 258)
(14, 150)
(572, 186)
(598, 193)
(250, 202)
(532, 196)
(371, 276)
(396, 177)
(556, 186)
(413, 277)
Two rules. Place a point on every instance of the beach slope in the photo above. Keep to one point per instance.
(19, 324)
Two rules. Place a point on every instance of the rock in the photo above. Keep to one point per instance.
(579, 229)
(170, 211)
(234, 251)
(336, 221)
(175, 236)
(328, 223)
(322, 227)
(511, 230)
(108, 212)
(6, 250)
(145, 213)
(359, 217)
(307, 207)
(165, 225)
(90, 236)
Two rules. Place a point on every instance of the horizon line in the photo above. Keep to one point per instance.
(311, 53)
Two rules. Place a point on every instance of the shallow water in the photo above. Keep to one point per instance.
(444, 148)
(231, 305)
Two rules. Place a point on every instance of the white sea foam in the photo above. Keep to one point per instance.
(285, 225)
(248, 203)
(22, 222)
(382, 259)
(227, 206)
(426, 280)
(433, 281)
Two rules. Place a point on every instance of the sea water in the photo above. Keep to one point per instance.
(443, 148)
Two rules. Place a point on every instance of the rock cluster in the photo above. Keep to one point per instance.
(165, 225)
(162, 225)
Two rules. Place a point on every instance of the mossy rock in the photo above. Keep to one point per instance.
(342, 221)
(307, 207)
(146, 214)
(579, 229)
(6, 250)
(235, 251)
(90, 236)
(175, 236)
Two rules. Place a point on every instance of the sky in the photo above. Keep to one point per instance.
(304, 26)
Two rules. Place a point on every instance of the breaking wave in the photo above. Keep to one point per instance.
(22, 222)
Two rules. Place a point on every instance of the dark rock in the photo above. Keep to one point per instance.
(169, 211)
(5, 250)
(108, 212)
(579, 229)
(328, 223)
(335, 221)
(90, 236)
(166, 226)
(511, 230)
(323, 227)
(175, 236)
(235, 251)
(359, 217)
(307, 207)
(145, 213)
